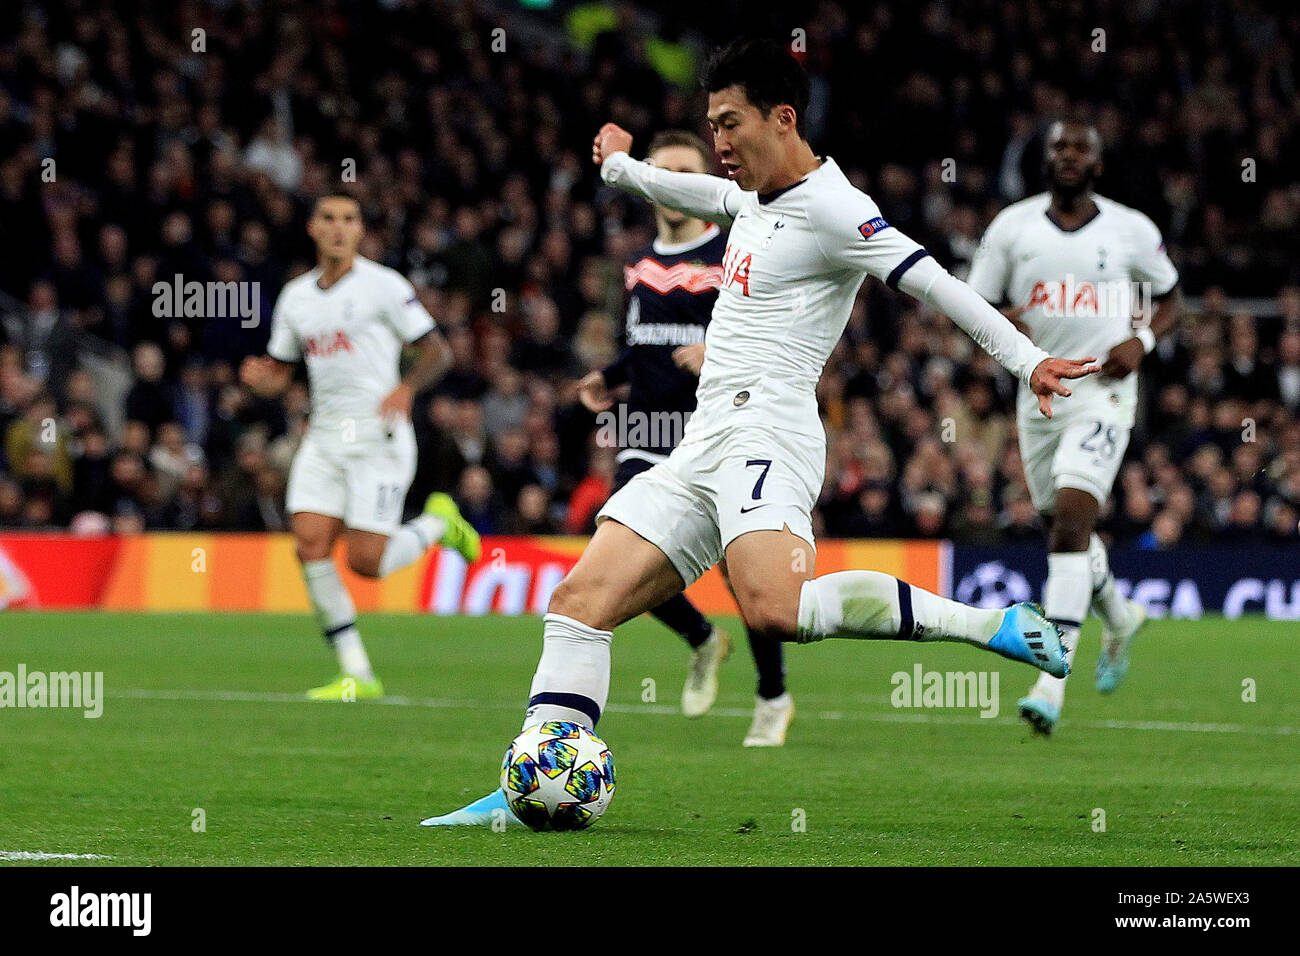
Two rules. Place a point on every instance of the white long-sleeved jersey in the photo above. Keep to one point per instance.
(794, 262)
(1078, 288)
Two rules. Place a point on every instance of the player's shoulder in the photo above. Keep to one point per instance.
(828, 188)
(1127, 217)
(378, 273)
(1022, 211)
(838, 209)
(299, 285)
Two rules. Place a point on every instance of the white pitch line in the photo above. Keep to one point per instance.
(903, 717)
(28, 855)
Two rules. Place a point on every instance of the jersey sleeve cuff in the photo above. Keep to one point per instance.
(613, 167)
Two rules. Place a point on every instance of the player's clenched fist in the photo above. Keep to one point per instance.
(610, 140)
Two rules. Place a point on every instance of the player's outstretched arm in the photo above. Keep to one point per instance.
(995, 333)
(696, 194)
(266, 376)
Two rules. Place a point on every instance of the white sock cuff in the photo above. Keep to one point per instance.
(1068, 562)
(562, 626)
(817, 618)
(322, 568)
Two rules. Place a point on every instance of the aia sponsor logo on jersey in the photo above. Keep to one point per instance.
(693, 277)
(872, 226)
(326, 344)
(735, 268)
(1064, 298)
(1084, 298)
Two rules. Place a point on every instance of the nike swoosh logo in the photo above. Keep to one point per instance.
(744, 511)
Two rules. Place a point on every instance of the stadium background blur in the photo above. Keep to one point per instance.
(472, 167)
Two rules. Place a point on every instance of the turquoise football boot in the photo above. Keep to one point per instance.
(1042, 715)
(1027, 635)
(1113, 663)
(483, 812)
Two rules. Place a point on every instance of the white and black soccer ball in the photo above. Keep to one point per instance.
(558, 775)
(993, 585)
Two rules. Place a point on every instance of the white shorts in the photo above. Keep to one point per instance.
(710, 492)
(1084, 453)
(364, 483)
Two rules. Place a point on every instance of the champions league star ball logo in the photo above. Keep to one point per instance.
(993, 585)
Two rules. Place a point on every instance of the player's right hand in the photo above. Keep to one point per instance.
(1047, 375)
(610, 140)
(592, 392)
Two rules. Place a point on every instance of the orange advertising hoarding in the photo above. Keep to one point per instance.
(254, 572)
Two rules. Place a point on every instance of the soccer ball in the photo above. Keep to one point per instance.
(558, 776)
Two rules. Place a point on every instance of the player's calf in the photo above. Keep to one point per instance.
(870, 605)
(366, 552)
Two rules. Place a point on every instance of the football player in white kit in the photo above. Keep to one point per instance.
(349, 319)
(743, 481)
(1077, 269)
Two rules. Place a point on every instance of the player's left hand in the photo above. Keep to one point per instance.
(397, 404)
(1046, 378)
(690, 357)
(1124, 358)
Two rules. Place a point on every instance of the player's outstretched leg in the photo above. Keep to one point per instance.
(710, 646)
(773, 705)
(619, 576)
(872, 605)
(441, 523)
(1120, 619)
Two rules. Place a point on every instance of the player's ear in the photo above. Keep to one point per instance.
(786, 118)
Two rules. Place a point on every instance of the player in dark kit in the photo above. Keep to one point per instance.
(672, 285)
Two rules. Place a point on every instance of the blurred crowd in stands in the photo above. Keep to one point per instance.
(189, 139)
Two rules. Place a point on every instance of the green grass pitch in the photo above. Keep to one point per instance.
(203, 712)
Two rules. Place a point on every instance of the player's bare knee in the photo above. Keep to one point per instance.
(578, 600)
(772, 619)
(311, 549)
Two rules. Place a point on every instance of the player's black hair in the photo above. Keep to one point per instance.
(767, 72)
(333, 194)
(681, 137)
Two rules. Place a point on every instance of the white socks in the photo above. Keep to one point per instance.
(336, 613)
(337, 617)
(869, 604)
(1106, 601)
(410, 541)
(1066, 597)
(572, 679)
